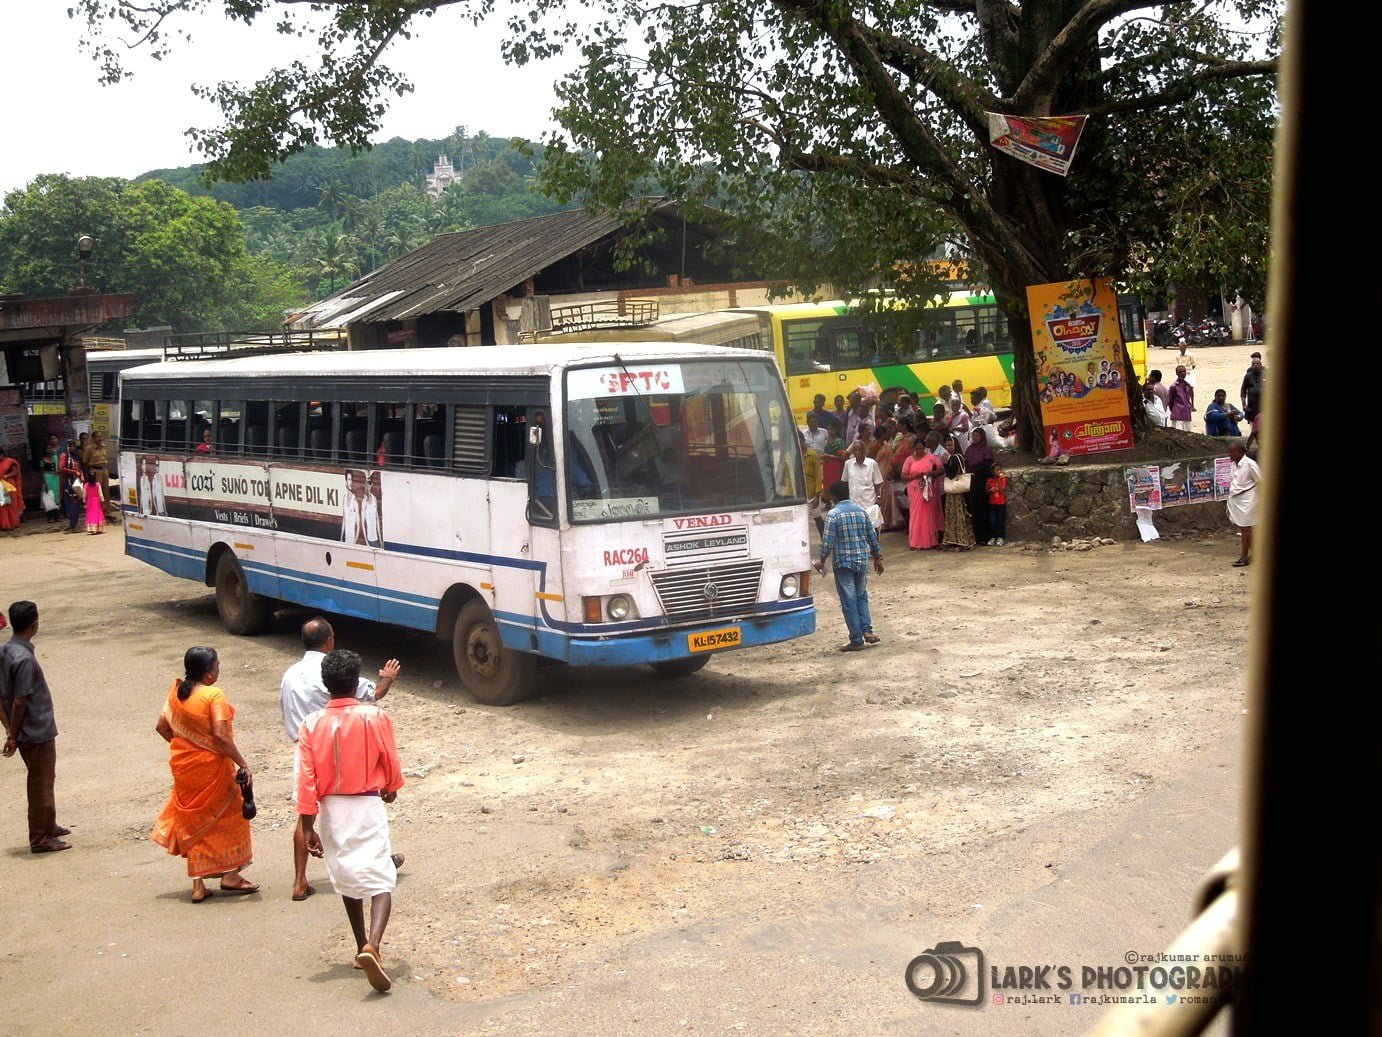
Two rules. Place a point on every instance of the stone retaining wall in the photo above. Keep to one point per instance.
(1084, 500)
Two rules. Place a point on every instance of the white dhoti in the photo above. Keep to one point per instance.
(1242, 508)
(355, 839)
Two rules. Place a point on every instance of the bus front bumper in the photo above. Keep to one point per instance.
(666, 644)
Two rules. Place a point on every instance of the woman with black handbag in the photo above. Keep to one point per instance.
(959, 533)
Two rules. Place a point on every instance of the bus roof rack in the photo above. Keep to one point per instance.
(227, 345)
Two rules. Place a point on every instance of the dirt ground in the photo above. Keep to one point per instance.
(1042, 758)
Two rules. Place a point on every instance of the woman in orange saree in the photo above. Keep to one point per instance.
(12, 495)
(204, 820)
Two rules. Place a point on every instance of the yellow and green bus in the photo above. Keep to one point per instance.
(831, 348)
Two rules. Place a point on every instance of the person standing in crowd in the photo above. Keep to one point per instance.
(73, 490)
(904, 407)
(824, 418)
(1182, 401)
(1242, 498)
(95, 501)
(204, 820)
(840, 415)
(817, 436)
(959, 533)
(811, 471)
(997, 487)
(11, 493)
(957, 392)
(1186, 359)
(26, 711)
(883, 458)
(1250, 392)
(922, 472)
(851, 538)
(1159, 387)
(943, 395)
(979, 463)
(865, 484)
(940, 417)
(957, 424)
(1221, 417)
(981, 408)
(98, 464)
(858, 426)
(347, 770)
(52, 482)
(1151, 403)
(301, 693)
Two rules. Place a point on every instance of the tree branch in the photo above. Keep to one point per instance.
(1033, 95)
(1181, 91)
(962, 95)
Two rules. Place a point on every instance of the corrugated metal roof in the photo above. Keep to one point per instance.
(463, 270)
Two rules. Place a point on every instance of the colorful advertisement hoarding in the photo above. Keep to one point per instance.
(1081, 375)
(1047, 142)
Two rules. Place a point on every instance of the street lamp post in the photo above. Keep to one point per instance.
(85, 245)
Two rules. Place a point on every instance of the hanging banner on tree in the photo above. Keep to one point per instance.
(1079, 365)
(1047, 143)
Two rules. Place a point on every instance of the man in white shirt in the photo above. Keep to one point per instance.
(865, 482)
(370, 509)
(981, 410)
(816, 436)
(354, 502)
(302, 693)
(905, 408)
(1242, 498)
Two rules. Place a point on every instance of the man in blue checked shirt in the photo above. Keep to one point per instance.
(851, 537)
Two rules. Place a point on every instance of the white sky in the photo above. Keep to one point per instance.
(56, 118)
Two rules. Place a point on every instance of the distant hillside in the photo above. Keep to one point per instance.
(329, 216)
(301, 180)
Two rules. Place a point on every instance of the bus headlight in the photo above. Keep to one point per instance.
(619, 607)
(791, 586)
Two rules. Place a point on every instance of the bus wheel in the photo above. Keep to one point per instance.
(242, 611)
(493, 674)
(681, 667)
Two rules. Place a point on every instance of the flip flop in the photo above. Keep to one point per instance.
(305, 893)
(206, 895)
(1241, 562)
(51, 846)
(374, 971)
(240, 890)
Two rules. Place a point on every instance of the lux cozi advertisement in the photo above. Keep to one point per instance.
(1079, 361)
(326, 503)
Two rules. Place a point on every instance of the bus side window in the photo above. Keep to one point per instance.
(510, 439)
(389, 422)
(354, 433)
(232, 423)
(131, 424)
(256, 441)
(284, 435)
(540, 466)
(427, 446)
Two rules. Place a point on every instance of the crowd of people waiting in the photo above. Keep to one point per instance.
(76, 480)
(935, 477)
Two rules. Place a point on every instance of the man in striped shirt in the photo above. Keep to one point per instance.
(851, 538)
(347, 770)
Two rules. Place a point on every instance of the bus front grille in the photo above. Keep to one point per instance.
(714, 589)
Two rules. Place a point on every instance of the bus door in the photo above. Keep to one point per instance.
(518, 447)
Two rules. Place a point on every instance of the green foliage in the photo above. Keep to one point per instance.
(184, 257)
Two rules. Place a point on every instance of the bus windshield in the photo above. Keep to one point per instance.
(672, 437)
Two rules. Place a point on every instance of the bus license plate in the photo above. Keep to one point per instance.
(714, 640)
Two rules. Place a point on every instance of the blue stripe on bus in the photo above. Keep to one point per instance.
(465, 556)
(556, 638)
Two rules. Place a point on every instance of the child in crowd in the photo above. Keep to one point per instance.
(997, 486)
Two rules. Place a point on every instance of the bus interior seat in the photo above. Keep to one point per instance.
(256, 439)
(288, 441)
(432, 450)
(319, 443)
(355, 444)
(393, 447)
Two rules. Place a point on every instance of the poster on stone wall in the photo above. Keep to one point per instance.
(1201, 480)
(1144, 487)
(1175, 489)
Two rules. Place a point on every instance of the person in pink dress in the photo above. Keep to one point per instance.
(95, 503)
(922, 472)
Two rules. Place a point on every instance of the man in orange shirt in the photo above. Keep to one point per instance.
(348, 769)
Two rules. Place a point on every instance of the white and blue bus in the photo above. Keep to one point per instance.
(599, 506)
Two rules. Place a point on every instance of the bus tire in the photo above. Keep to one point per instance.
(241, 610)
(681, 667)
(493, 674)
